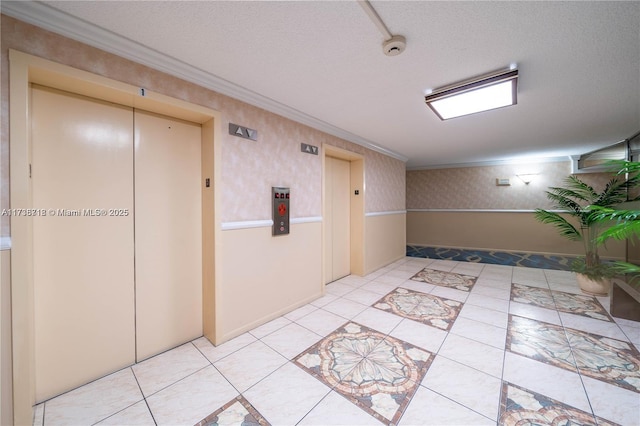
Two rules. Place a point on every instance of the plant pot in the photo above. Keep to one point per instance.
(598, 287)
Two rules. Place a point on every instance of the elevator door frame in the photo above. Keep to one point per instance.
(25, 69)
(357, 205)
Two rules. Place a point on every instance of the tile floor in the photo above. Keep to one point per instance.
(419, 342)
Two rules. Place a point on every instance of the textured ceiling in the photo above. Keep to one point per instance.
(579, 66)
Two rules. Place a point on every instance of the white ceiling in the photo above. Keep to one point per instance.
(322, 61)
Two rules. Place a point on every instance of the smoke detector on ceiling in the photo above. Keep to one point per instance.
(394, 46)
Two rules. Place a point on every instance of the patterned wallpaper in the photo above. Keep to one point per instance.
(249, 168)
(475, 187)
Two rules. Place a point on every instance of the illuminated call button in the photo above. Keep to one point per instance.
(282, 209)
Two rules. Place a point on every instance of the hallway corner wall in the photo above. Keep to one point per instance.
(463, 207)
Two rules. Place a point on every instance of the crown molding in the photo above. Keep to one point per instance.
(48, 18)
(507, 162)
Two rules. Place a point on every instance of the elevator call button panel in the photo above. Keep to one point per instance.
(280, 200)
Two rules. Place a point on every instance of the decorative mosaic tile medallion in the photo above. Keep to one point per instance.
(602, 358)
(578, 304)
(238, 411)
(425, 308)
(519, 406)
(445, 279)
(378, 373)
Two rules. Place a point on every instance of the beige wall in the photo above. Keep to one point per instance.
(475, 187)
(249, 287)
(263, 277)
(464, 208)
(385, 239)
(505, 231)
(249, 168)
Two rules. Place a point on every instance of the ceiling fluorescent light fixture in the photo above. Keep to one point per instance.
(490, 91)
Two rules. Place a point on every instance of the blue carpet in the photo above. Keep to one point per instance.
(529, 260)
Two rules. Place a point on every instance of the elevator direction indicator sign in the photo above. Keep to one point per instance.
(309, 149)
(243, 132)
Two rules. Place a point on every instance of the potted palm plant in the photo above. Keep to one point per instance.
(625, 220)
(579, 203)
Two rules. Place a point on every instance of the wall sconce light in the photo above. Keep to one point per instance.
(490, 91)
(527, 178)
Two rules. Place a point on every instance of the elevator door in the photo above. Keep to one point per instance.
(337, 220)
(118, 259)
(82, 160)
(168, 236)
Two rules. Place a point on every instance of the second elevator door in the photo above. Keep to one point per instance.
(168, 233)
(337, 223)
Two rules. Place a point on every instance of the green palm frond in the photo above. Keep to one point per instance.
(581, 189)
(566, 229)
(563, 202)
(620, 231)
(614, 192)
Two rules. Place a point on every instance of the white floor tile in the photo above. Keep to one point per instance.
(554, 382)
(473, 354)
(191, 399)
(480, 332)
(402, 273)
(136, 415)
(338, 289)
(321, 301)
(488, 316)
(300, 312)
(487, 282)
(471, 269)
(418, 334)
(591, 325)
(613, 403)
(535, 312)
(469, 387)
(38, 415)
(95, 401)
(362, 296)
(345, 308)
(291, 340)
(250, 365)
(386, 279)
(214, 353)
(488, 302)
(420, 286)
(497, 272)
(335, 410)
(498, 293)
(270, 327)
(167, 368)
(378, 320)
(450, 293)
(428, 408)
(321, 322)
(353, 280)
(287, 395)
(443, 265)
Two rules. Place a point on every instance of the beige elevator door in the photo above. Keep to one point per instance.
(111, 290)
(82, 159)
(168, 233)
(337, 221)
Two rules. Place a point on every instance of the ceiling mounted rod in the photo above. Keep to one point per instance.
(373, 15)
(393, 45)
